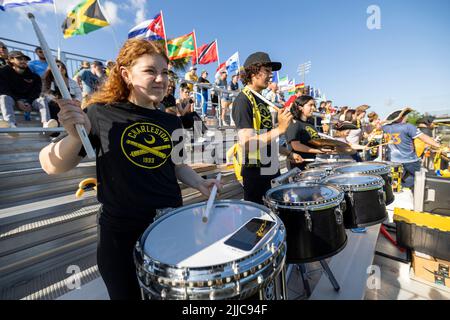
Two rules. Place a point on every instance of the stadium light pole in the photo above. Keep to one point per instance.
(303, 69)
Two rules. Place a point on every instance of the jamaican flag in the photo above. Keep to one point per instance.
(84, 18)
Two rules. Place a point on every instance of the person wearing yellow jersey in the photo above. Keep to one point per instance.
(191, 75)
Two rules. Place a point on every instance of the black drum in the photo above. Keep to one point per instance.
(378, 168)
(316, 175)
(364, 197)
(313, 216)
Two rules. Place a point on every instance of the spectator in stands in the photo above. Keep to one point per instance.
(87, 79)
(185, 103)
(3, 54)
(169, 102)
(109, 65)
(203, 79)
(225, 99)
(272, 94)
(38, 66)
(51, 91)
(84, 65)
(98, 69)
(21, 88)
(298, 93)
(341, 113)
(191, 75)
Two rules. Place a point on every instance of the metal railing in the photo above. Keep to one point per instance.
(71, 60)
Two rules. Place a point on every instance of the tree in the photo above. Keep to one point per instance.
(413, 116)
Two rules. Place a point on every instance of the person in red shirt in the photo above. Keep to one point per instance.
(298, 93)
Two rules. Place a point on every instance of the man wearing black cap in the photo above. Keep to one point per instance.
(3, 55)
(253, 120)
(21, 88)
(40, 65)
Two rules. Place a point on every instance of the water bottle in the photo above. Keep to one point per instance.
(27, 116)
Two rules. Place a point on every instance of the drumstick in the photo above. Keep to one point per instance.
(211, 199)
(277, 108)
(61, 84)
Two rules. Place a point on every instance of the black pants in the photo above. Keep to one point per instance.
(115, 262)
(255, 184)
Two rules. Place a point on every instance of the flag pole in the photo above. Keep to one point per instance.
(195, 46)
(239, 64)
(61, 84)
(218, 58)
(165, 35)
(110, 23)
(58, 34)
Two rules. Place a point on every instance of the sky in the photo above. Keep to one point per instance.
(406, 62)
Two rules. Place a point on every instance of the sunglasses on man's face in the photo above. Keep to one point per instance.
(3, 47)
(21, 58)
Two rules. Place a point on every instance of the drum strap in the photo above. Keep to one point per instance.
(235, 152)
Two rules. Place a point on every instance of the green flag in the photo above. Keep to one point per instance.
(181, 47)
(84, 18)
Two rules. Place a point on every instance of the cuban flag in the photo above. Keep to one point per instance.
(149, 30)
(6, 4)
(232, 64)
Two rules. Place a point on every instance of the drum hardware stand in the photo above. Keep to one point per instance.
(301, 267)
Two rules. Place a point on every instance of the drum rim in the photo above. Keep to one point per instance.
(265, 256)
(378, 184)
(322, 172)
(380, 171)
(306, 205)
(323, 164)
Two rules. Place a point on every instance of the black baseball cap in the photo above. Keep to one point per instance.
(263, 58)
(18, 54)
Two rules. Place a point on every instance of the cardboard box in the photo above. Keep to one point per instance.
(431, 269)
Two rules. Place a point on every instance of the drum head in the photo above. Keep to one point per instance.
(314, 174)
(364, 167)
(355, 181)
(181, 238)
(298, 194)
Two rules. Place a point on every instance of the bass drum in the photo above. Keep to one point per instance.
(238, 254)
(371, 167)
(364, 197)
(313, 216)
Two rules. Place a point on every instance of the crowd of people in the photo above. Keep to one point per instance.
(131, 113)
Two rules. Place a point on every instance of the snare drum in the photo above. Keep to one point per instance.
(364, 197)
(372, 167)
(238, 254)
(313, 216)
(333, 158)
(328, 166)
(313, 175)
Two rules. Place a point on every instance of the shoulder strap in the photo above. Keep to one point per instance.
(256, 113)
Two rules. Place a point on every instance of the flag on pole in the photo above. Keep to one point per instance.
(207, 53)
(275, 77)
(84, 18)
(232, 64)
(7, 4)
(181, 47)
(152, 29)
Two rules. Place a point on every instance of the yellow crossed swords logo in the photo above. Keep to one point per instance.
(146, 149)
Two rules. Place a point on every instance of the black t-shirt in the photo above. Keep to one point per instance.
(135, 170)
(203, 80)
(242, 113)
(303, 132)
(169, 101)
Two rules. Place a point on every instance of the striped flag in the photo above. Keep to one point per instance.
(181, 47)
(152, 29)
(6, 4)
(206, 54)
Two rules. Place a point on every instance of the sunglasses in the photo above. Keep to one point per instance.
(3, 47)
(21, 58)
